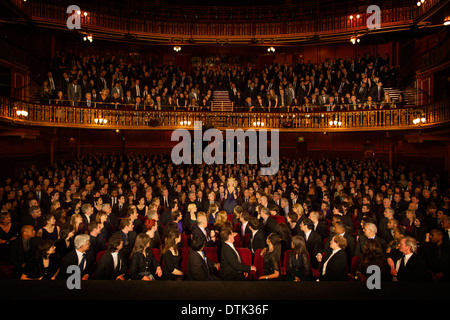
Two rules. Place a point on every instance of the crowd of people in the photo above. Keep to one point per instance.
(140, 217)
(117, 82)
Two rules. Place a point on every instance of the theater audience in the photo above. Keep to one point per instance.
(357, 194)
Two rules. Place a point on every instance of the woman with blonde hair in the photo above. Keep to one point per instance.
(231, 195)
(220, 220)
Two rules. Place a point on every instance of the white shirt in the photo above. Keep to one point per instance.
(115, 258)
(405, 260)
(326, 262)
(234, 249)
(80, 256)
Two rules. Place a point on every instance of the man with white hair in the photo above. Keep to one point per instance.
(78, 257)
(369, 232)
(410, 267)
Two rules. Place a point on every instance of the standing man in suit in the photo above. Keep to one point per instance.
(231, 266)
(199, 266)
(74, 92)
(334, 268)
(79, 257)
(313, 240)
(411, 266)
(111, 265)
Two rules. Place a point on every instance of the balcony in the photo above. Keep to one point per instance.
(15, 113)
(226, 25)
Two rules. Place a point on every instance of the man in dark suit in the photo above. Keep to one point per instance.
(341, 229)
(112, 223)
(257, 239)
(334, 267)
(200, 267)
(369, 232)
(313, 240)
(96, 238)
(201, 230)
(23, 249)
(79, 257)
(410, 267)
(128, 237)
(242, 227)
(436, 255)
(34, 218)
(361, 93)
(121, 208)
(167, 213)
(268, 223)
(111, 265)
(231, 266)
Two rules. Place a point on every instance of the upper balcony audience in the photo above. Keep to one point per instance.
(111, 82)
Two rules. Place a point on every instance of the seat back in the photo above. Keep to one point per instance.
(211, 253)
(157, 254)
(99, 255)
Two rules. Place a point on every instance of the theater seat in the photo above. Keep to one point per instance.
(157, 254)
(285, 264)
(99, 255)
(258, 262)
(184, 259)
(211, 253)
(237, 241)
(246, 258)
(184, 240)
(230, 217)
(354, 263)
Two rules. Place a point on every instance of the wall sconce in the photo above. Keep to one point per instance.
(447, 21)
(419, 121)
(100, 121)
(271, 49)
(88, 38)
(335, 123)
(22, 113)
(420, 2)
(185, 123)
(177, 48)
(258, 124)
(354, 40)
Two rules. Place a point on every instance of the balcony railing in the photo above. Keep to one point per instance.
(44, 115)
(197, 22)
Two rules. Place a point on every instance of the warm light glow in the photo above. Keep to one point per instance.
(358, 16)
(271, 49)
(351, 17)
(177, 48)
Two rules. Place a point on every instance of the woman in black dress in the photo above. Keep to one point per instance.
(8, 232)
(271, 260)
(171, 257)
(45, 266)
(143, 265)
(50, 231)
(298, 268)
